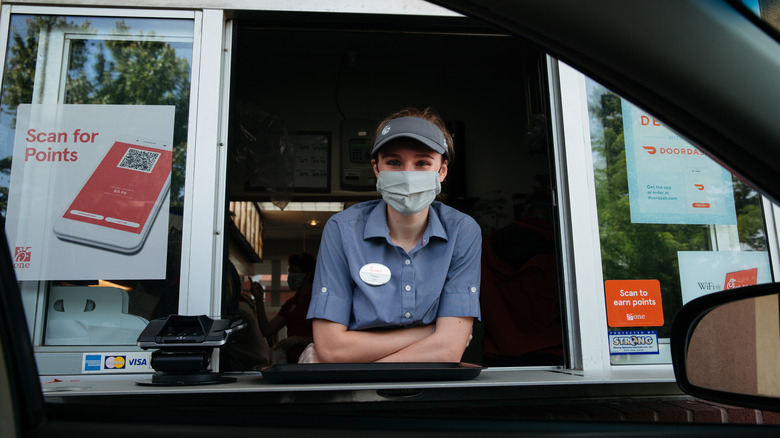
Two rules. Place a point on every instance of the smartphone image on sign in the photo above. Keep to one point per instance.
(699, 189)
(116, 207)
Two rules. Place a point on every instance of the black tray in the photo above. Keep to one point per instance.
(370, 372)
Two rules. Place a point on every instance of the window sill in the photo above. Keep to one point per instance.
(491, 384)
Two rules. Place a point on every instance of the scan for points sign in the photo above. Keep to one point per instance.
(634, 303)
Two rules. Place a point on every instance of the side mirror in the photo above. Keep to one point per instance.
(726, 347)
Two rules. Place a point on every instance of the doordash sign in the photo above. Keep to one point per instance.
(670, 181)
(634, 303)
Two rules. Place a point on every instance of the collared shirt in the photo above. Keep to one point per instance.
(439, 277)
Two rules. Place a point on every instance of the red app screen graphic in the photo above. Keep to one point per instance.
(743, 278)
(123, 190)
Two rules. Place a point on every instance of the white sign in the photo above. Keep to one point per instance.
(89, 191)
(705, 272)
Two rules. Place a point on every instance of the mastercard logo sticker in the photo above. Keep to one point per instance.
(115, 362)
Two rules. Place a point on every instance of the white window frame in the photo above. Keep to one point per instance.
(584, 279)
(204, 178)
(587, 335)
(203, 242)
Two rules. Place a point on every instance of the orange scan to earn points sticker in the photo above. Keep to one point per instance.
(634, 303)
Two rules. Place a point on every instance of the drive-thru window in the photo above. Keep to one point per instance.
(147, 152)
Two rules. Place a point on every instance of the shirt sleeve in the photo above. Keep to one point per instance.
(460, 296)
(331, 296)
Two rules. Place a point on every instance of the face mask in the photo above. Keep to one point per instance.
(295, 280)
(408, 191)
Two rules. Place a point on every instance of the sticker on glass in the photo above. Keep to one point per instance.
(633, 342)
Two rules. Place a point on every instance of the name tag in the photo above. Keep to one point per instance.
(375, 274)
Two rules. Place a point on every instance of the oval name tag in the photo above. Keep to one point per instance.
(375, 274)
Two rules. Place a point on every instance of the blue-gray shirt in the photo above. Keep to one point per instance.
(439, 277)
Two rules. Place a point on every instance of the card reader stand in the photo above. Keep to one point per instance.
(184, 345)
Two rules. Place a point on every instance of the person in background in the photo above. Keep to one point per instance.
(250, 348)
(397, 279)
(293, 312)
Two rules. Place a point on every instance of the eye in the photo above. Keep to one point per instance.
(393, 162)
(423, 163)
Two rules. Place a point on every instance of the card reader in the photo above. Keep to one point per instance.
(184, 345)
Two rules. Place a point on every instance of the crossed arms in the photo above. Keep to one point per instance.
(334, 343)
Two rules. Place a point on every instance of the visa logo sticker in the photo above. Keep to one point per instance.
(633, 342)
(112, 363)
(137, 362)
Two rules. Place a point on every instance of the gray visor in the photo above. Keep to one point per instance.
(415, 128)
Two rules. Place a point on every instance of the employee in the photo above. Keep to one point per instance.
(397, 279)
(293, 311)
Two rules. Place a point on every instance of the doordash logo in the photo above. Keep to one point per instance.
(22, 256)
(652, 150)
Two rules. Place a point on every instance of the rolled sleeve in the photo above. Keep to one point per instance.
(331, 296)
(460, 296)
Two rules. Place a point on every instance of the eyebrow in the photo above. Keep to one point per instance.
(418, 155)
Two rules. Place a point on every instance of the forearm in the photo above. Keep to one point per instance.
(268, 327)
(262, 320)
(431, 349)
(334, 343)
(447, 344)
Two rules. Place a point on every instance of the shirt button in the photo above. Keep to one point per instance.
(324, 289)
(408, 288)
(407, 315)
(408, 262)
(473, 289)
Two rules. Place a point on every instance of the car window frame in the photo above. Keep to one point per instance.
(612, 62)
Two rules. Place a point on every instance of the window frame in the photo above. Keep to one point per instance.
(582, 279)
(59, 360)
(586, 296)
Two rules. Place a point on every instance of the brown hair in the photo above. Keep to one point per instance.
(428, 114)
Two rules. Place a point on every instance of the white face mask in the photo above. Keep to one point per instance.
(408, 191)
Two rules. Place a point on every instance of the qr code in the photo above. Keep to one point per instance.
(136, 159)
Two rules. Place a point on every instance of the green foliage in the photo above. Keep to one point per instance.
(143, 71)
(138, 71)
(649, 251)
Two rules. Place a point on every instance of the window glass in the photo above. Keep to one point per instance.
(93, 129)
(673, 225)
